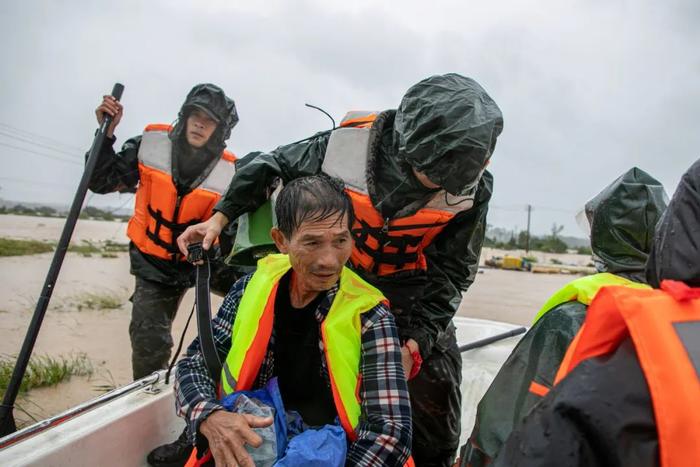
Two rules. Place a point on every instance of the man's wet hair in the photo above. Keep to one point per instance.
(311, 199)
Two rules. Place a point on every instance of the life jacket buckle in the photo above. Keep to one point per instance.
(195, 252)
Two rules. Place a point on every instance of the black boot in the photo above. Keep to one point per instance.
(174, 454)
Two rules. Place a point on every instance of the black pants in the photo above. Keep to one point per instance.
(154, 308)
(152, 315)
(436, 404)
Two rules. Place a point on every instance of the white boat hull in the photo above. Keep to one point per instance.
(122, 428)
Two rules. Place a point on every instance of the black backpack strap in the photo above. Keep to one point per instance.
(203, 305)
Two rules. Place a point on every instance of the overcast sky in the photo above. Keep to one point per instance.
(588, 88)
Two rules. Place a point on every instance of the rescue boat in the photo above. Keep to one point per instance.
(121, 427)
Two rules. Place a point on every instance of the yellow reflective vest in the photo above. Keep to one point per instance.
(584, 290)
(340, 333)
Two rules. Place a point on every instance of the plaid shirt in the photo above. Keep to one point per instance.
(384, 428)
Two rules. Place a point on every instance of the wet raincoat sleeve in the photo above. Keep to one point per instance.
(116, 171)
(249, 188)
(536, 358)
(453, 262)
(600, 414)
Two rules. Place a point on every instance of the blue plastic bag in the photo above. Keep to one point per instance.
(269, 395)
(322, 447)
(297, 444)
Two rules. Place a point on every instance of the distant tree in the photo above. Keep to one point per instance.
(45, 211)
(584, 250)
(556, 230)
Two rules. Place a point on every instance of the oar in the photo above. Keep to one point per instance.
(7, 420)
(492, 339)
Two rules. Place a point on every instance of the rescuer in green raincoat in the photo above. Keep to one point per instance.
(420, 194)
(621, 219)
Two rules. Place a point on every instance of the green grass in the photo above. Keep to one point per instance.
(98, 301)
(45, 371)
(107, 249)
(13, 247)
(114, 247)
(85, 248)
(16, 247)
(105, 382)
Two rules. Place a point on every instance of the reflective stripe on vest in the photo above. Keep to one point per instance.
(655, 320)
(584, 289)
(383, 246)
(340, 334)
(160, 215)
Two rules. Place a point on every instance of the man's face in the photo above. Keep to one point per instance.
(200, 127)
(318, 251)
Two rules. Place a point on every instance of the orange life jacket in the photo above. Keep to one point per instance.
(664, 326)
(160, 214)
(383, 246)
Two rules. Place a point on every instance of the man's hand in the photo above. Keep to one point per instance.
(109, 106)
(205, 232)
(228, 433)
(409, 347)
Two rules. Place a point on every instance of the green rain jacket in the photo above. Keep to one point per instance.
(622, 219)
(446, 126)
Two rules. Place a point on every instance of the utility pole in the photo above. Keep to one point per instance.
(527, 238)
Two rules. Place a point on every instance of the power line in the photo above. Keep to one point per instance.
(112, 211)
(45, 146)
(531, 207)
(29, 134)
(50, 156)
(34, 182)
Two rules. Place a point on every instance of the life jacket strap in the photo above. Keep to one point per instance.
(175, 228)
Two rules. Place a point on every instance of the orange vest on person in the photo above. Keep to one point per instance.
(383, 246)
(664, 326)
(160, 214)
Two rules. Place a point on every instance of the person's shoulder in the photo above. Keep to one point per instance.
(563, 316)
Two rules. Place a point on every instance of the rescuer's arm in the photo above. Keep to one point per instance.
(115, 171)
(251, 186)
(453, 262)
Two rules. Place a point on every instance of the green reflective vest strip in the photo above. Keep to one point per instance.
(341, 333)
(257, 294)
(584, 289)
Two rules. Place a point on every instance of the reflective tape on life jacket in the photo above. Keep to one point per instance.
(340, 333)
(584, 289)
(160, 214)
(664, 326)
(383, 246)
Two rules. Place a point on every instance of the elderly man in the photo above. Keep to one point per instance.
(306, 319)
(417, 179)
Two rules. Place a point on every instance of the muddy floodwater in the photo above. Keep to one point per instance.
(72, 326)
